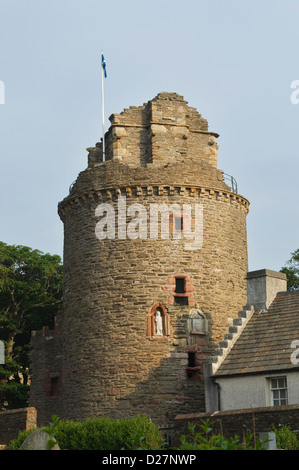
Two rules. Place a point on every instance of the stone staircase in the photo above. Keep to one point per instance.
(231, 337)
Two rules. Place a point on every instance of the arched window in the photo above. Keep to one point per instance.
(158, 322)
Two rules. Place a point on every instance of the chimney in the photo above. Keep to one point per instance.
(262, 287)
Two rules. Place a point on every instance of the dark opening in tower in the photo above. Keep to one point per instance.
(192, 368)
(180, 297)
(191, 359)
(54, 386)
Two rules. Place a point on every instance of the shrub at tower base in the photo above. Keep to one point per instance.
(100, 434)
(137, 433)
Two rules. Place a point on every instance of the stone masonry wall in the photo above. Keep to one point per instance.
(14, 421)
(221, 264)
(108, 354)
(162, 131)
(113, 363)
(240, 422)
(46, 373)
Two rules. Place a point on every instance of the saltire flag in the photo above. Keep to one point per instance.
(104, 65)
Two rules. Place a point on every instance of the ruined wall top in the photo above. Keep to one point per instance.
(163, 130)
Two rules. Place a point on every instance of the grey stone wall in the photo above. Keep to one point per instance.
(240, 422)
(46, 373)
(14, 421)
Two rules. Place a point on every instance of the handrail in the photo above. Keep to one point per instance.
(71, 187)
(231, 182)
(228, 179)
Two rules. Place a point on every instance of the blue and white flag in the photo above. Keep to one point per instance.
(104, 65)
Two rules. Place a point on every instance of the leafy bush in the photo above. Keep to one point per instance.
(15, 444)
(204, 440)
(100, 434)
(139, 433)
(285, 438)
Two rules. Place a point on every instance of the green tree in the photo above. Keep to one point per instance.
(30, 297)
(292, 271)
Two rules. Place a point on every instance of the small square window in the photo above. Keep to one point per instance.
(181, 290)
(180, 296)
(181, 300)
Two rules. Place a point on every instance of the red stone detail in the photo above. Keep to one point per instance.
(150, 330)
(130, 369)
(114, 391)
(189, 289)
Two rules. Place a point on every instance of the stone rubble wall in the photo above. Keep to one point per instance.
(162, 131)
(240, 422)
(14, 421)
(109, 355)
(45, 366)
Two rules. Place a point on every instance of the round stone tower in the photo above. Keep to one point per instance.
(155, 265)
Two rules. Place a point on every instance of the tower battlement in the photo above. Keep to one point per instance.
(162, 131)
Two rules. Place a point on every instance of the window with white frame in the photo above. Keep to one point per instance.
(278, 391)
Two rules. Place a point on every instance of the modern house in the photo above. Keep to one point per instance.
(257, 364)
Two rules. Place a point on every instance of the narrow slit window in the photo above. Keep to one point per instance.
(54, 387)
(191, 359)
(180, 297)
(192, 370)
(180, 285)
(178, 224)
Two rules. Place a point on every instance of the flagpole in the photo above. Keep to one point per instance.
(103, 114)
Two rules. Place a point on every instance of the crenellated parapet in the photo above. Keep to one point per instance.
(144, 191)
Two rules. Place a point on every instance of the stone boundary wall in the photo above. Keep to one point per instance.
(14, 421)
(239, 422)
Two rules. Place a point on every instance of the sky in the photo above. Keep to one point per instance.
(234, 61)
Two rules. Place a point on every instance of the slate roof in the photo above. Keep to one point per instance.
(265, 343)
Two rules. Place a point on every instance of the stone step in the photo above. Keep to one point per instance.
(218, 352)
(233, 329)
(230, 338)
